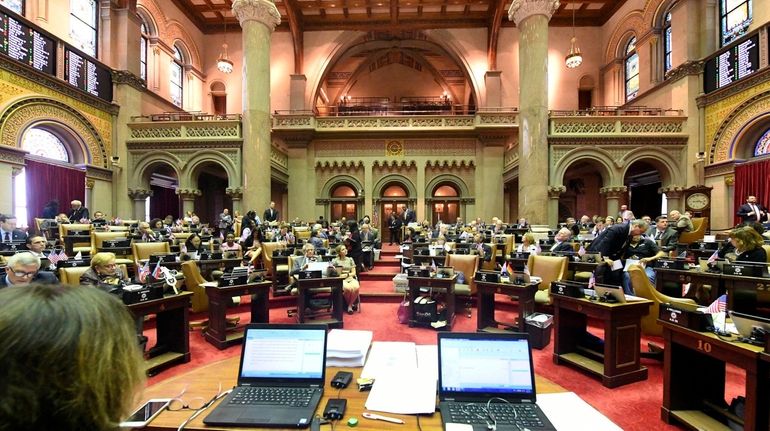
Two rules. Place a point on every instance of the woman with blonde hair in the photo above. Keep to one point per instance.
(748, 245)
(350, 285)
(82, 371)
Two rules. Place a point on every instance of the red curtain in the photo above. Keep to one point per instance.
(751, 179)
(164, 201)
(46, 182)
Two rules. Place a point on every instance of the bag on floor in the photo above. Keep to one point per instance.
(403, 311)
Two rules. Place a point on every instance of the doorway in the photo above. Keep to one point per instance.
(394, 200)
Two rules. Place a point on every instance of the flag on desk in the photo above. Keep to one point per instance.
(683, 254)
(433, 266)
(143, 272)
(685, 289)
(504, 270)
(79, 256)
(509, 267)
(63, 255)
(157, 273)
(718, 306)
(538, 250)
(592, 281)
(714, 257)
(53, 257)
(581, 251)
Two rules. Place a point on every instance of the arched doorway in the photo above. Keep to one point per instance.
(344, 202)
(212, 181)
(643, 181)
(444, 203)
(164, 200)
(582, 180)
(218, 97)
(393, 200)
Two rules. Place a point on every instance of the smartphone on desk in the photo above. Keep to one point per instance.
(146, 413)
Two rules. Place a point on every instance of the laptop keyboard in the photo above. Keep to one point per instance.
(523, 415)
(292, 397)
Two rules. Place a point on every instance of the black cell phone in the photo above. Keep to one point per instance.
(342, 379)
(335, 408)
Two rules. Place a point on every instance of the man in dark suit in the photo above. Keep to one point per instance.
(751, 211)
(78, 212)
(562, 240)
(663, 235)
(409, 216)
(271, 214)
(8, 231)
(24, 268)
(483, 250)
(612, 243)
(573, 226)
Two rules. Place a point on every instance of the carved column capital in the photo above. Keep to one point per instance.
(672, 192)
(139, 194)
(188, 194)
(90, 183)
(15, 171)
(555, 191)
(235, 194)
(520, 10)
(614, 192)
(263, 11)
(729, 180)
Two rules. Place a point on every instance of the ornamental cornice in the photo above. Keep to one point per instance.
(263, 11)
(687, 68)
(520, 10)
(139, 194)
(555, 191)
(12, 155)
(634, 140)
(98, 173)
(128, 78)
(672, 191)
(184, 145)
(613, 191)
(718, 169)
(188, 194)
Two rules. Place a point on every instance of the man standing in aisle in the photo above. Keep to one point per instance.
(271, 214)
(752, 212)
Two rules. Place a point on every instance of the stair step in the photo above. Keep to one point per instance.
(375, 275)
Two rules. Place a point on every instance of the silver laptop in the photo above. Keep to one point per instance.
(485, 378)
(280, 379)
(745, 323)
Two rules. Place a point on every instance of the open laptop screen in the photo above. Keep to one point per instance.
(489, 364)
(283, 354)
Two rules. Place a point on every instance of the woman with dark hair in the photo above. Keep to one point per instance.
(51, 209)
(59, 378)
(353, 243)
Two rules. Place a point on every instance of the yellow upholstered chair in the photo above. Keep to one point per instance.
(238, 227)
(65, 229)
(195, 283)
(71, 274)
(143, 250)
(548, 268)
(97, 242)
(643, 288)
(467, 263)
(267, 255)
(490, 265)
(301, 232)
(767, 252)
(699, 227)
(181, 237)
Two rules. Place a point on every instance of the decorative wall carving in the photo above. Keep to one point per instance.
(262, 11)
(412, 147)
(732, 115)
(616, 125)
(12, 155)
(139, 194)
(613, 192)
(651, 127)
(128, 78)
(192, 130)
(523, 9)
(279, 158)
(555, 191)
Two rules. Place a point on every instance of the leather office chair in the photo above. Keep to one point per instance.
(97, 242)
(278, 274)
(548, 268)
(195, 283)
(467, 263)
(491, 264)
(65, 229)
(699, 225)
(143, 250)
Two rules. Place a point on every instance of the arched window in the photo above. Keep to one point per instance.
(763, 144)
(344, 202)
(83, 29)
(632, 70)
(14, 5)
(144, 41)
(176, 81)
(734, 19)
(667, 43)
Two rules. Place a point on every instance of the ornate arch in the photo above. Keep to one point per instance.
(157, 15)
(148, 18)
(142, 168)
(602, 158)
(654, 10)
(176, 32)
(190, 174)
(667, 166)
(326, 190)
(735, 125)
(18, 116)
(394, 178)
(462, 188)
(631, 24)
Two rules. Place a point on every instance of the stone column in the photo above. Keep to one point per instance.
(730, 217)
(419, 204)
(236, 195)
(531, 17)
(139, 196)
(613, 195)
(368, 193)
(89, 198)
(188, 199)
(258, 19)
(554, 192)
(673, 197)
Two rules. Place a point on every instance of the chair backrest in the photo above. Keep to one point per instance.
(767, 252)
(237, 227)
(267, 254)
(143, 250)
(71, 275)
(301, 232)
(490, 265)
(65, 229)
(119, 228)
(181, 237)
(699, 225)
(644, 288)
(548, 268)
(193, 280)
(467, 263)
(98, 238)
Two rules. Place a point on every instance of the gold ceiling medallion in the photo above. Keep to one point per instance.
(394, 148)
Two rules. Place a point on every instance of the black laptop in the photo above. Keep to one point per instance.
(280, 379)
(479, 370)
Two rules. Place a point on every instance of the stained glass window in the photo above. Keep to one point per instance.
(735, 17)
(42, 143)
(763, 144)
(14, 5)
(667, 44)
(83, 15)
(632, 70)
(176, 78)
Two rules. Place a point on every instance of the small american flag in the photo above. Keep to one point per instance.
(504, 270)
(714, 256)
(685, 289)
(144, 271)
(582, 250)
(79, 256)
(157, 273)
(433, 266)
(538, 250)
(592, 281)
(53, 257)
(63, 255)
(718, 306)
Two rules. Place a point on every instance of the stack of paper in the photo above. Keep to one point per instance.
(404, 378)
(345, 348)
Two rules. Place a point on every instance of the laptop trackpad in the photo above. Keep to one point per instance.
(254, 417)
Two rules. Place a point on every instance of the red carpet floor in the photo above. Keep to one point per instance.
(632, 407)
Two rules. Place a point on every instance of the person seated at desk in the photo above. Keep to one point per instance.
(572, 225)
(441, 244)
(230, 248)
(528, 244)
(680, 222)
(105, 274)
(49, 378)
(483, 250)
(99, 220)
(144, 233)
(598, 227)
(78, 212)
(644, 250)
(254, 252)
(8, 230)
(748, 245)
(168, 222)
(561, 240)
(284, 235)
(315, 238)
(522, 224)
(193, 247)
(62, 219)
(301, 263)
(23, 269)
(36, 245)
(663, 235)
(350, 285)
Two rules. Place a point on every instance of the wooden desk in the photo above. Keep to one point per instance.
(622, 338)
(219, 298)
(172, 327)
(750, 295)
(338, 302)
(485, 301)
(71, 240)
(204, 381)
(445, 286)
(705, 287)
(694, 378)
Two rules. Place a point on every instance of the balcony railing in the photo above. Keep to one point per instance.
(184, 116)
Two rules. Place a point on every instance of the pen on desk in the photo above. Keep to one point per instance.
(376, 417)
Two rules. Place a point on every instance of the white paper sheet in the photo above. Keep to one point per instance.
(568, 412)
(403, 392)
(427, 359)
(389, 355)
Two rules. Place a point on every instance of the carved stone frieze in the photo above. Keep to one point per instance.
(613, 192)
(279, 158)
(188, 194)
(235, 194)
(90, 183)
(585, 127)
(691, 67)
(12, 155)
(555, 191)
(719, 169)
(651, 127)
(98, 173)
(672, 191)
(304, 121)
(139, 194)
(262, 11)
(523, 9)
(729, 180)
(125, 77)
(497, 119)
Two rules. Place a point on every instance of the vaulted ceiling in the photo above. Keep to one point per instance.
(394, 15)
